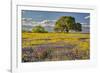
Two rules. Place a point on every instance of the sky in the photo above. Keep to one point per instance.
(39, 16)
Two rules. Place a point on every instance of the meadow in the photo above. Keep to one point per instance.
(53, 46)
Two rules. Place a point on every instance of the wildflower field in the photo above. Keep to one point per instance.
(38, 47)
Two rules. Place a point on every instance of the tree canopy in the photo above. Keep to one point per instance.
(77, 27)
(39, 29)
(66, 23)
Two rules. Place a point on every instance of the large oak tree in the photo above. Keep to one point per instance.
(66, 23)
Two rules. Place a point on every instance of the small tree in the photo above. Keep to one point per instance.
(78, 27)
(39, 29)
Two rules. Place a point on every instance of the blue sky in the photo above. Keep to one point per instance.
(47, 15)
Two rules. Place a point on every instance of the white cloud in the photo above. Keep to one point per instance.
(32, 23)
(47, 23)
(86, 17)
(84, 23)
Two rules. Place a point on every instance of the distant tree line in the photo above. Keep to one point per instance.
(63, 24)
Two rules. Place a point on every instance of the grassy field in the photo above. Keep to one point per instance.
(55, 46)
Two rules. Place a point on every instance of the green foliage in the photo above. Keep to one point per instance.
(66, 23)
(39, 29)
(78, 27)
